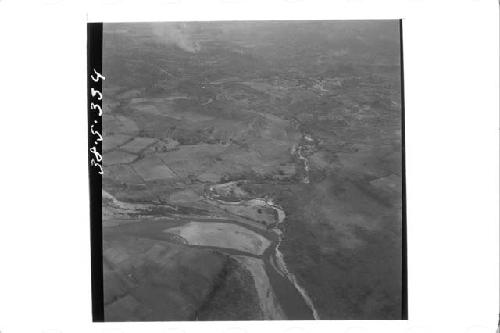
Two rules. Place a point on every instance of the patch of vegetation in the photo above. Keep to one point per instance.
(233, 297)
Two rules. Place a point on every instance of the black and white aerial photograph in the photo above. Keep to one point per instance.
(253, 170)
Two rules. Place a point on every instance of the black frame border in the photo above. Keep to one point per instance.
(94, 63)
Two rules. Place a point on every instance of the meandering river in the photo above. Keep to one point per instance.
(275, 257)
(280, 290)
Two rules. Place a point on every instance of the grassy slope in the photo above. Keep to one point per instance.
(348, 256)
(149, 280)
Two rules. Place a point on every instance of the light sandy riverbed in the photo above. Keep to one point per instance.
(269, 305)
(222, 235)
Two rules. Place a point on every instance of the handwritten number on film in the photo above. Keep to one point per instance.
(97, 95)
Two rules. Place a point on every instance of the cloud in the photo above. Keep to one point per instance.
(176, 34)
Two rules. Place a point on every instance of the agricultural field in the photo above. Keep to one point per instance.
(252, 171)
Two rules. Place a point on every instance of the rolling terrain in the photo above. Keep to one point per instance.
(252, 170)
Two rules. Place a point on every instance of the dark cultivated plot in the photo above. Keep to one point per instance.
(252, 170)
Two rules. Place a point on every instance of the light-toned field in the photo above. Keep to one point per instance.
(118, 157)
(192, 159)
(184, 196)
(222, 235)
(152, 168)
(112, 141)
(118, 125)
(123, 174)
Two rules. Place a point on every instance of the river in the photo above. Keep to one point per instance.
(292, 297)
(275, 258)
(281, 265)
